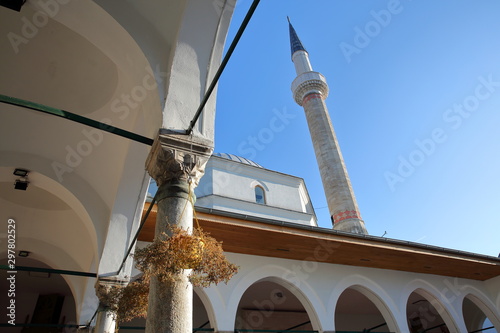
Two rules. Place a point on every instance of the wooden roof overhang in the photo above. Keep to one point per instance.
(269, 238)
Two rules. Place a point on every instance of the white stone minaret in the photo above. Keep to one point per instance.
(310, 90)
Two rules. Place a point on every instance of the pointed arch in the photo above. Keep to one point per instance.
(202, 295)
(436, 304)
(371, 290)
(58, 294)
(273, 303)
(260, 195)
(485, 305)
(285, 278)
(256, 183)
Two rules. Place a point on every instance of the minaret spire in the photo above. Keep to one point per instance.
(309, 91)
(295, 42)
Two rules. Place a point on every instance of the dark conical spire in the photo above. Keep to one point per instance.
(295, 42)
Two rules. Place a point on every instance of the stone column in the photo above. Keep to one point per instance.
(177, 163)
(106, 321)
(106, 315)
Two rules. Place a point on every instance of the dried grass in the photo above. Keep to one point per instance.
(165, 259)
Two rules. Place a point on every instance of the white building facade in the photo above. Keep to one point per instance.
(235, 184)
(296, 276)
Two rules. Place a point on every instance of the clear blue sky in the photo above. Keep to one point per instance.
(414, 98)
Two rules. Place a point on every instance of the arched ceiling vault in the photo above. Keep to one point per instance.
(78, 58)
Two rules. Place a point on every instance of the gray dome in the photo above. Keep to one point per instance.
(237, 159)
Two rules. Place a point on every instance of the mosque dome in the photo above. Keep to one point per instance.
(237, 159)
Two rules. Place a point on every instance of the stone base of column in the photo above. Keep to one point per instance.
(355, 226)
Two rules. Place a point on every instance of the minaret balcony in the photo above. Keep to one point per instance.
(307, 83)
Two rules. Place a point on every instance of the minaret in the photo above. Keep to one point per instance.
(309, 91)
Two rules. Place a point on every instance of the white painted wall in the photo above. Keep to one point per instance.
(319, 286)
(198, 51)
(230, 186)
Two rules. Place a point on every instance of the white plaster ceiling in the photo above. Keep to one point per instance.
(36, 198)
(44, 69)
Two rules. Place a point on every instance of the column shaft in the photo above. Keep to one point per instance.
(105, 322)
(170, 305)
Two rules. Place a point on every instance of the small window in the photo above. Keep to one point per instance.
(259, 195)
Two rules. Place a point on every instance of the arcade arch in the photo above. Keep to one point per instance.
(424, 311)
(359, 309)
(40, 298)
(478, 316)
(269, 305)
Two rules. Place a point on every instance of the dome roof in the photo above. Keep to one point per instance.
(237, 159)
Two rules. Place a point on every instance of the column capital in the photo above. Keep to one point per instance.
(178, 157)
(111, 281)
(103, 287)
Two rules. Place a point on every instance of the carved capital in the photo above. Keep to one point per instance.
(106, 290)
(178, 157)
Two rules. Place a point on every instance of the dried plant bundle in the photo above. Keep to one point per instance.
(165, 258)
